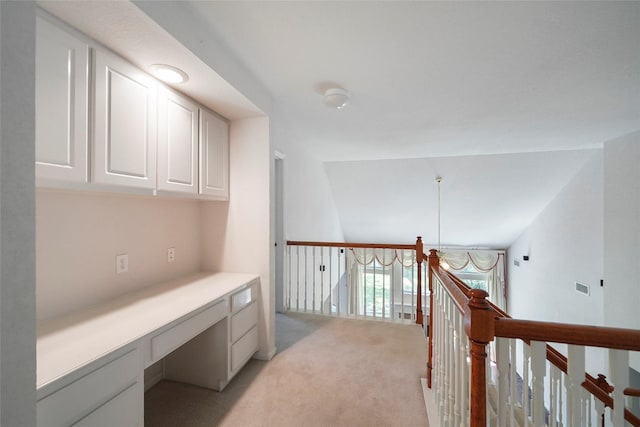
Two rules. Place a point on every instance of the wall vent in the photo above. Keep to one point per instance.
(582, 288)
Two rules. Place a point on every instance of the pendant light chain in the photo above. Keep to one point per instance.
(438, 180)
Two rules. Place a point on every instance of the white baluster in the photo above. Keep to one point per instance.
(449, 369)
(513, 387)
(526, 355)
(588, 398)
(599, 410)
(443, 362)
(538, 369)
(560, 402)
(553, 396)
(466, 376)
(576, 372)
(502, 354)
(440, 366)
(459, 360)
(619, 373)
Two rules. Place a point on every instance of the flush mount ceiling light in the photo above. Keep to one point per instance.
(169, 74)
(336, 98)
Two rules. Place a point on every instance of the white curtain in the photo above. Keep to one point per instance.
(364, 257)
(490, 262)
(384, 257)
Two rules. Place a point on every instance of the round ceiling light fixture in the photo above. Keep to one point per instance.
(168, 73)
(336, 98)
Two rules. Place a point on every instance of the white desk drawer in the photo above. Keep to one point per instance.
(167, 341)
(244, 320)
(242, 350)
(76, 400)
(244, 297)
(123, 410)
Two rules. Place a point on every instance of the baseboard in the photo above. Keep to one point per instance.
(266, 356)
(430, 404)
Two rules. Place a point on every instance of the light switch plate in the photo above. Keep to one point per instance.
(122, 263)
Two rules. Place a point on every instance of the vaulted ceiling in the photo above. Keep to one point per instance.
(457, 89)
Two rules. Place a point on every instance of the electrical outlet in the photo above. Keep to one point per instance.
(122, 263)
(171, 254)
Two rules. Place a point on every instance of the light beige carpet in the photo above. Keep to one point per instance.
(328, 372)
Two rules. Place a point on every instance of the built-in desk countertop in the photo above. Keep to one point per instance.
(70, 342)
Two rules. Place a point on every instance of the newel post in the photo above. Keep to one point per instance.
(419, 258)
(433, 263)
(480, 328)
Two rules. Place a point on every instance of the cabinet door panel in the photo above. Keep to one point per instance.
(62, 62)
(79, 398)
(177, 143)
(125, 123)
(214, 156)
(127, 115)
(123, 410)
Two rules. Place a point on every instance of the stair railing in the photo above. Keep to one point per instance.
(470, 389)
(368, 280)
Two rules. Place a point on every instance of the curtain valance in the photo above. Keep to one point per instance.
(384, 257)
(484, 261)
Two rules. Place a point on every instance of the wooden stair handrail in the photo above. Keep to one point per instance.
(633, 392)
(588, 336)
(352, 245)
(504, 323)
(458, 296)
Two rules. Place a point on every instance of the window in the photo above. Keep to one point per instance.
(474, 278)
(377, 285)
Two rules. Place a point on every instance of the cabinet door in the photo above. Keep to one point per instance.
(125, 124)
(214, 156)
(62, 67)
(177, 143)
(123, 410)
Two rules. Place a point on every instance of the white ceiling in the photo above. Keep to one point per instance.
(486, 201)
(434, 83)
(442, 78)
(123, 28)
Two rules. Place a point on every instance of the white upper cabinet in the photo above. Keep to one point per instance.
(177, 143)
(125, 134)
(214, 156)
(62, 69)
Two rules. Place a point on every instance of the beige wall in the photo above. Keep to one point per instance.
(78, 236)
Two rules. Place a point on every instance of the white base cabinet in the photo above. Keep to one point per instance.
(109, 394)
(91, 362)
(214, 357)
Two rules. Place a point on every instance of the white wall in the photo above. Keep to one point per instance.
(622, 234)
(565, 245)
(79, 235)
(236, 234)
(310, 210)
(17, 214)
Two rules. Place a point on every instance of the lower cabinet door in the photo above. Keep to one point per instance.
(243, 349)
(124, 410)
(109, 380)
